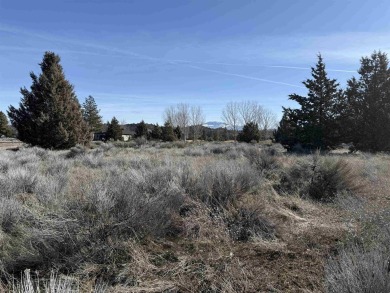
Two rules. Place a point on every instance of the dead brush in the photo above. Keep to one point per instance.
(55, 283)
(245, 223)
(223, 273)
(224, 182)
(264, 160)
(321, 179)
(358, 271)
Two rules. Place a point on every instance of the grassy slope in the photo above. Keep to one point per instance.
(172, 235)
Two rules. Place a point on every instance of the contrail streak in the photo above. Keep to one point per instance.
(305, 68)
(257, 65)
(167, 61)
(245, 76)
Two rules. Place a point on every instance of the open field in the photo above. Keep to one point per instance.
(7, 144)
(210, 217)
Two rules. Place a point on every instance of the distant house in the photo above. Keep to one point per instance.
(128, 131)
(101, 135)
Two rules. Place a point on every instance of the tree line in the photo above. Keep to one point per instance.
(328, 115)
(49, 115)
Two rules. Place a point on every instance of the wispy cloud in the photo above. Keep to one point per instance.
(245, 76)
(58, 50)
(186, 63)
(346, 48)
(256, 65)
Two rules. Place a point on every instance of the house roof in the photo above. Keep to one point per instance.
(128, 129)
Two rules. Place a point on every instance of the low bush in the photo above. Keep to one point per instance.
(76, 151)
(322, 179)
(137, 201)
(246, 223)
(357, 271)
(224, 182)
(18, 180)
(11, 213)
(264, 160)
(194, 152)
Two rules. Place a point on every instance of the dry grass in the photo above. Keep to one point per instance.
(185, 218)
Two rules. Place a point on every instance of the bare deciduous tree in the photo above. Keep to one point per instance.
(197, 120)
(178, 115)
(241, 113)
(268, 121)
(183, 118)
(170, 115)
(231, 117)
(248, 111)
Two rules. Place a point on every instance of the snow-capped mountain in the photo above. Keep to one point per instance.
(214, 124)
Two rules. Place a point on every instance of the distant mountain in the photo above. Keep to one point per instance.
(217, 124)
(214, 124)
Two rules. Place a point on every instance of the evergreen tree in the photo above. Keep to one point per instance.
(91, 114)
(287, 133)
(168, 134)
(156, 132)
(250, 132)
(141, 130)
(4, 127)
(367, 116)
(316, 125)
(49, 115)
(178, 132)
(114, 130)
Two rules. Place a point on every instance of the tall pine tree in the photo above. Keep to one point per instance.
(114, 130)
(367, 116)
(315, 125)
(49, 115)
(91, 114)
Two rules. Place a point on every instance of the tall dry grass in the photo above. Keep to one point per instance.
(166, 215)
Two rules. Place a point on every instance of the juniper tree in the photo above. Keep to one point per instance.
(114, 130)
(156, 132)
(316, 124)
(168, 133)
(287, 132)
(141, 130)
(49, 114)
(250, 132)
(367, 115)
(91, 114)
(4, 127)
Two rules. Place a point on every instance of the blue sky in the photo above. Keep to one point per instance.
(138, 57)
